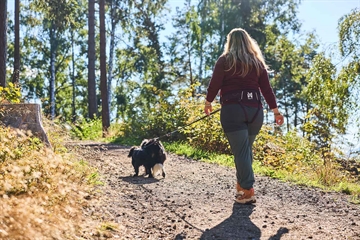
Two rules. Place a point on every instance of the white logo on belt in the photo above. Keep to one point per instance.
(250, 95)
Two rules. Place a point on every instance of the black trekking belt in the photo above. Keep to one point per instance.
(242, 97)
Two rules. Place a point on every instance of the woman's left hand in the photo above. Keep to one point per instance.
(279, 119)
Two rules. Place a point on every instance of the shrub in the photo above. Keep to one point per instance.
(10, 94)
(86, 129)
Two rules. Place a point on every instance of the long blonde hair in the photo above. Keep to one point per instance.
(240, 46)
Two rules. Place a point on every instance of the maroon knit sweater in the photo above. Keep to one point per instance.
(227, 81)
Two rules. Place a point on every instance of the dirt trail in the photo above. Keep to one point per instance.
(196, 201)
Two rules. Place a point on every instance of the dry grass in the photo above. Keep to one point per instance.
(41, 190)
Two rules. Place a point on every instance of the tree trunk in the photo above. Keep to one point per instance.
(53, 47)
(112, 49)
(24, 117)
(192, 81)
(16, 73)
(73, 109)
(92, 99)
(201, 50)
(3, 41)
(103, 81)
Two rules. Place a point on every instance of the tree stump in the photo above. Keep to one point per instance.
(24, 116)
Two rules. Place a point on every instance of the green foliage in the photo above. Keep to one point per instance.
(185, 45)
(349, 44)
(328, 96)
(10, 94)
(87, 129)
(154, 120)
(349, 34)
(185, 149)
(289, 152)
(172, 119)
(294, 158)
(290, 64)
(206, 133)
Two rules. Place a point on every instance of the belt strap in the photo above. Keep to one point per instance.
(246, 116)
(244, 96)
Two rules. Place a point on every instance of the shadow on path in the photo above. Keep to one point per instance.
(279, 233)
(139, 180)
(237, 226)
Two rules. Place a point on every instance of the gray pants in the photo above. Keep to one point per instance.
(241, 135)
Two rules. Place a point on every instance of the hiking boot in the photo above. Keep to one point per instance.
(244, 196)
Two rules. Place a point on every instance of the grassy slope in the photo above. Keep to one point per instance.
(42, 190)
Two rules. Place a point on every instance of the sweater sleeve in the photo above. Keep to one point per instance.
(266, 90)
(216, 79)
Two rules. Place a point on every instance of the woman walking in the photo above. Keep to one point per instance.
(241, 75)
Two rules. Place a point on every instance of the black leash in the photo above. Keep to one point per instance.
(170, 133)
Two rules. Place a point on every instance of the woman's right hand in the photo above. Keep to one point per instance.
(279, 118)
(207, 108)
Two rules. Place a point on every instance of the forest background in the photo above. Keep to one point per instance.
(110, 62)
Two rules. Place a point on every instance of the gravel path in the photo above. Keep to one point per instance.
(196, 201)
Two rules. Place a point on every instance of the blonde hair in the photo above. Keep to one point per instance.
(240, 46)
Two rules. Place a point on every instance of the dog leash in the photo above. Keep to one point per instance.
(170, 133)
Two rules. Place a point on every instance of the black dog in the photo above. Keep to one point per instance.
(151, 154)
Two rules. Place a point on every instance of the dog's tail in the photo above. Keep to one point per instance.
(131, 151)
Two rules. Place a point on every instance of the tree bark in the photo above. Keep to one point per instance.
(73, 82)
(103, 81)
(16, 73)
(3, 41)
(53, 48)
(92, 99)
(112, 50)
